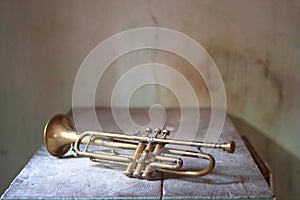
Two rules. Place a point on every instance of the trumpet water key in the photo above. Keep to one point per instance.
(150, 152)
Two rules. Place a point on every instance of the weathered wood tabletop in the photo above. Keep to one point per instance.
(235, 176)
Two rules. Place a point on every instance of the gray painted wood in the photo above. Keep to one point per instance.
(235, 176)
(48, 177)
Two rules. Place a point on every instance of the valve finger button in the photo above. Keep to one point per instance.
(165, 133)
(157, 131)
(148, 131)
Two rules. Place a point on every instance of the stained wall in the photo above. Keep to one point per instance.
(255, 45)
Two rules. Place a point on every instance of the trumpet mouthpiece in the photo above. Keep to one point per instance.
(229, 146)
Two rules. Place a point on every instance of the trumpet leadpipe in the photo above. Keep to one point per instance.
(226, 146)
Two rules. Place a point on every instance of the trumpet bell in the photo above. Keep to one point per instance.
(59, 134)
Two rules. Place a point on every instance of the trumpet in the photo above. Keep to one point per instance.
(150, 151)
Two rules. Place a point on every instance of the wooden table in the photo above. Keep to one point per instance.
(235, 176)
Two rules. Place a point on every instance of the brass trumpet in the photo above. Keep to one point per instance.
(149, 151)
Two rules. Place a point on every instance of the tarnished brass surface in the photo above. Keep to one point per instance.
(149, 152)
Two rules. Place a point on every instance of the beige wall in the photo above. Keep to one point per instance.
(255, 44)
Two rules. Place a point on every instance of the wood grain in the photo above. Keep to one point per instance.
(235, 175)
